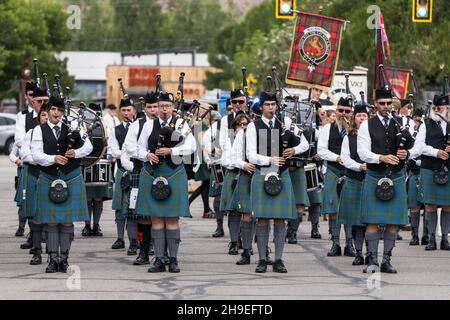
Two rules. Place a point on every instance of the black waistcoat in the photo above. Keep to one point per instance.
(436, 139)
(30, 122)
(352, 143)
(335, 145)
(59, 147)
(121, 132)
(262, 130)
(152, 143)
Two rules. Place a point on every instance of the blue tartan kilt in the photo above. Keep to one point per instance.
(281, 206)
(227, 191)
(103, 192)
(413, 191)
(298, 180)
(21, 173)
(330, 195)
(432, 193)
(177, 205)
(121, 198)
(214, 189)
(315, 197)
(241, 198)
(349, 210)
(118, 192)
(74, 209)
(376, 211)
(30, 203)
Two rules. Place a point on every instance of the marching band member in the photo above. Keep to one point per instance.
(169, 196)
(61, 193)
(433, 141)
(384, 200)
(110, 119)
(329, 149)
(349, 210)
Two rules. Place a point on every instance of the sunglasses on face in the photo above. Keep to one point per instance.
(388, 103)
(343, 111)
(237, 101)
(438, 108)
(243, 124)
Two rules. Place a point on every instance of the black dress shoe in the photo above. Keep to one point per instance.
(119, 244)
(173, 265)
(166, 259)
(278, 266)
(399, 237)
(261, 267)
(445, 245)
(63, 266)
(29, 243)
(96, 231)
(132, 249)
(288, 233)
(19, 232)
(315, 234)
(366, 259)
(349, 251)
(219, 233)
(431, 246)
(37, 258)
(245, 258)
(141, 259)
(386, 266)
(233, 249)
(269, 260)
(359, 260)
(158, 266)
(52, 266)
(335, 251)
(87, 231)
(424, 240)
(372, 265)
(293, 238)
(414, 241)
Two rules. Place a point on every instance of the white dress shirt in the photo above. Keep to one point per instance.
(46, 160)
(322, 145)
(365, 143)
(25, 152)
(349, 163)
(130, 144)
(19, 135)
(113, 145)
(420, 146)
(110, 122)
(14, 154)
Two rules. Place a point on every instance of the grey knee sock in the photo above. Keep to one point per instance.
(295, 223)
(425, 226)
(389, 241)
(348, 234)
(132, 229)
(415, 220)
(159, 242)
(431, 223)
(373, 240)
(262, 236)
(66, 234)
(37, 235)
(359, 238)
(234, 223)
(52, 240)
(246, 229)
(445, 223)
(120, 225)
(219, 214)
(335, 230)
(173, 242)
(97, 209)
(314, 213)
(90, 209)
(279, 232)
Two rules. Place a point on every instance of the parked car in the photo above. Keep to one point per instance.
(7, 129)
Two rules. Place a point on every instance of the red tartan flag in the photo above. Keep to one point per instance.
(399, 80)
(314, 50)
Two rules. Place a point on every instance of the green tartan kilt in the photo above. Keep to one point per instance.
(30, 203)
(432, 193)
(103, 192)
(214, 190)
(118, 192)
(330, 195)
(227, 191)
(413, 192)
(74, 209)
(202, 173)
(315, 197)
(121, 198)
(177, 205)
(298, 180)
(21, 173)
(376, 211)
(281, 206)
(241, 199)
(349, 210)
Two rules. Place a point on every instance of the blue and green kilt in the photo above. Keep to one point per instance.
(376, 211)
(177, 205)
(432, 193)
(121, 198)
(413, 191)
(349, 210)
(74, 209)
(21, 173)
(298, 180)
(330, 195)
(227, 191)
(315, 197)
(265, 206)
(241, 199)
(103, 192)
(30, 204)
(214, 189)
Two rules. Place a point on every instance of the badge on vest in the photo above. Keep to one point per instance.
(385, 189)
(59, 192)
(273, 184)
(160, 189)
(440, 176)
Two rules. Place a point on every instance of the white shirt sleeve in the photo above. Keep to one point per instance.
(142, 144)
(19, 134)
(85, 149)
(189, 144)
(322, 145)
(113, 145)
(37, 150)
(25, 152)
(365, 145)
(126, 162)
(420, 147)
(14, 154)
(252, 155)
(130, 144)
(349, 163)
(237, 151)
(223, 132)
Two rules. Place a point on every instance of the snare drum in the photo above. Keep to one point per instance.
(98, 174)
(312, 177)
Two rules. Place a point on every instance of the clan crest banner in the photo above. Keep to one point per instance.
(314, 50)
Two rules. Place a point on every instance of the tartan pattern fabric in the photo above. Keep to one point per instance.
(74, 209)
(22, 173)
(202, 173)
(330, 195)
(376, 211)
(413, 191)
(177, 205)
(103, 192)
(241, 199)
(118, 193)
(281, 206)
(315, 197)
(298, 180)
(29, 205)
(432, 193)
(349, 209)
(214, 190)
(121, 199)
(227, 191)
(298, 72)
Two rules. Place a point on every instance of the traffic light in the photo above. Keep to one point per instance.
(422, 10)
(284, 9)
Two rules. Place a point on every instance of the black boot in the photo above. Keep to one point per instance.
(288, 233)
(19, 232)
(219, 233)
(142, 259)
(335, 250)
(37, 258)
(372, 265)
(431, 246)
(132, 249)
(445, 245)
(424, 240)
(96, 231)
(29, 243)
(399, 237)
(158, 266)
(87, 231)
(261, 267)
(349, 250)
(278, 266)
(119, 244)
(173, 265)
(292, 239)
(359, 259)
(386, 266)
(52, 265)
(245, 258)
(414, 237)
(315, 231)
(64, 263)
(233, 249)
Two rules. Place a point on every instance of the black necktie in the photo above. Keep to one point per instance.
(57, 132)
(163, 124)
(271, 124)
(127, 125)
(386, 122)
(343, 132)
